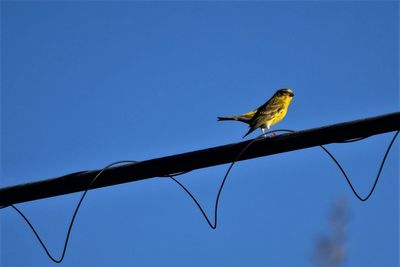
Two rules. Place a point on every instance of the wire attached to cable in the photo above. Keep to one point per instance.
(214, 225)
(73, 216)
(377, 175)
(264, 135)
(172, 176)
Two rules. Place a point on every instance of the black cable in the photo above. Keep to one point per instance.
(212, 225)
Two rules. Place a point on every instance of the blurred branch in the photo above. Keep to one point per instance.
(185, 162)
(330, 250)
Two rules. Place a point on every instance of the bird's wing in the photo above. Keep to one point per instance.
(262, 114)
(266, 111)
(249, 114)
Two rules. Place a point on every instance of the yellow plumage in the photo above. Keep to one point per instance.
(270, 113)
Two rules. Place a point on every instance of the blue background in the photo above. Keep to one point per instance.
(84, 84)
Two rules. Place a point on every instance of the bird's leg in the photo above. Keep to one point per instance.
(263, 132)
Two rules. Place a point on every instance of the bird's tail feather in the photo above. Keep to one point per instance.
(228, 118)
(250, 130)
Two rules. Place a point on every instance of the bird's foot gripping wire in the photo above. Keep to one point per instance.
(270, 134)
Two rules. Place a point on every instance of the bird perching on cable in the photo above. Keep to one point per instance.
(270, 113)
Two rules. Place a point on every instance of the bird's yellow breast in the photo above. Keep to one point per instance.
(284, 103)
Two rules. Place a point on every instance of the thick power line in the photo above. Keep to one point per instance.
(158, 167)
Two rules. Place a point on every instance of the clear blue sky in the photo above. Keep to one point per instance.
(84, 84)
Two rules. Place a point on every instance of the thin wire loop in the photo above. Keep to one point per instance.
(377, 175)
(73, 216)
(212, 225)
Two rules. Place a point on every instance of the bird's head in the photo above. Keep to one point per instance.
(285, 92)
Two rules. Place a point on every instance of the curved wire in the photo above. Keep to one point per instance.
(75, 211)
(377, 176)
(214, 225)
(73, 216)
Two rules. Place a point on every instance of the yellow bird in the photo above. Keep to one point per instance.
(270, 113)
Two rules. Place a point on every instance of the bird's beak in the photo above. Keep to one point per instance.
(291, 94)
